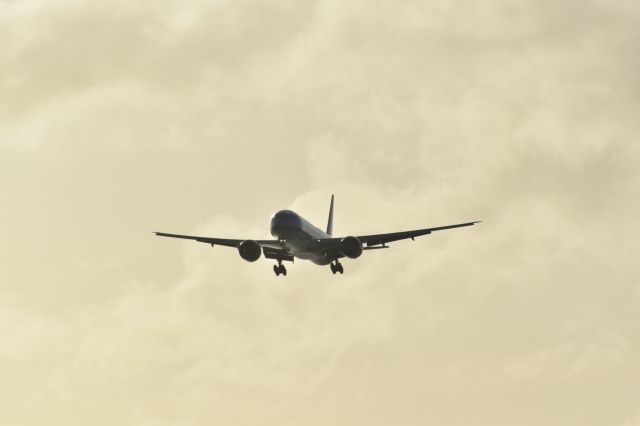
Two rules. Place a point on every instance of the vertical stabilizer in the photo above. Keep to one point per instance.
(330, 222)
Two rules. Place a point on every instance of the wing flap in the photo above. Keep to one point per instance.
(277, 254)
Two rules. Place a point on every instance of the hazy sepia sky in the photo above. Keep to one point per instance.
(121, 118)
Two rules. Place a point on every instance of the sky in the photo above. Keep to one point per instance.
(121, 118)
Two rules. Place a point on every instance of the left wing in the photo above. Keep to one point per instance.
(381, 239)
(376, 241)
(271, 244)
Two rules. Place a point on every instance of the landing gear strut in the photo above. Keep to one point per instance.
(337, 267)
(280, 269)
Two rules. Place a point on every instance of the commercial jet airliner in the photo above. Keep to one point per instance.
(296, 237)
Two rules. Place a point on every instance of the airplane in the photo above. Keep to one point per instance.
(297, 238)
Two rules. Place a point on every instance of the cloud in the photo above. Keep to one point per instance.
(631, 421)
(571, 359)
(119, 119)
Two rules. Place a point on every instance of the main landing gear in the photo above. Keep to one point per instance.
(337, 267)
(280, 269)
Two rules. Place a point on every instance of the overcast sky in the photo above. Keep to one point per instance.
(121, 118)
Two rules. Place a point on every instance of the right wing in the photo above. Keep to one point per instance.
(271, 244)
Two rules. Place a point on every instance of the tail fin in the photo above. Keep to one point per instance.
(330, 222)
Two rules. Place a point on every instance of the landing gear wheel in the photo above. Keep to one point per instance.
(337, 267)
(279, 269)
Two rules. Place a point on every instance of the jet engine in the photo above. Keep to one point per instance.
(351, 247)
(250, 250)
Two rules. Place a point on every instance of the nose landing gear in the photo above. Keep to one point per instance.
(337, 267)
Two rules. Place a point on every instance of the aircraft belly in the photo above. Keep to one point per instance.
(315, 257)
(304, 246)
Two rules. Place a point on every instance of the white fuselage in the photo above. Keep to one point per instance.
(299, 236)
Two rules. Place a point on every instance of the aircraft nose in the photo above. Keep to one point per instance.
(284, 221)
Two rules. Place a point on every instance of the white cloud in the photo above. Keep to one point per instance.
(118, 119)
(631, 421)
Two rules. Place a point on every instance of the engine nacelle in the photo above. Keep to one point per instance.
(351, 247)
(250, 250)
